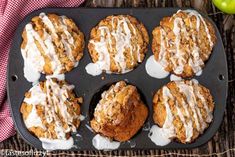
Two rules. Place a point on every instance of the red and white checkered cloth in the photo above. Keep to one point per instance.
(11, 13)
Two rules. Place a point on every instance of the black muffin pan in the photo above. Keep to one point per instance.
(214, 77)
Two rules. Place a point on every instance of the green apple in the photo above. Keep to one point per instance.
(227, 6)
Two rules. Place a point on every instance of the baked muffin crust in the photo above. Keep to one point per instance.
(183, 42)
(118, 43)
(51, 110)
(52, 44)
(184, 109)
(120, 113)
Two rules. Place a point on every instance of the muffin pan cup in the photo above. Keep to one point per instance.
(214, 77)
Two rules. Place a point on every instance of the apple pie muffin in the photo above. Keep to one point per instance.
(183, 110)
(51, 110)
(120, 113)
(52, 44)
(183, 42)
(118, 43)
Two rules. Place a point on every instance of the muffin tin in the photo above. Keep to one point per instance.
(214, 77)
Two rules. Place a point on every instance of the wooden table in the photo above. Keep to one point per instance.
(223, 143)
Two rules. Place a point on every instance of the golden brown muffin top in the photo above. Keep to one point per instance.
(118, 43)
(120, 113)
(112, 108)
(184, 109)
(51, 110)
(52, 44)
(183, 42)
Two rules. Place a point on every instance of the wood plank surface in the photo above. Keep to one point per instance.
(223, 143)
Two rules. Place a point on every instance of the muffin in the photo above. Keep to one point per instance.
(118, 43)
(52, 44)
(51, 110)
(120, 113)
(183, 42)
(184, 109)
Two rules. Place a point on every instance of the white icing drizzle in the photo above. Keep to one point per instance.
(188, 126)
(105, 107)
(30, 72)
(82, 117)
(197, 62)
(58, 99)
(162, 56)
(199, 73)
(49, 50)
(76, 64)
(33, 62)
(178, 69)
(93, 69)
(69, 37)
(57, 144)
(33, 120)
(155, 69)
(58, 76)
(101, 47)
(122, 40)
(202, 99)
(88, 127)
(169, 118)
(53, 101)
(46, 45)
(104, 143)
(138, 53)
(175, 78)
(68, 49)
(48, 23)
(33, 59)
(200, 18)
(65, 29)
(78, 135)
(122, 35)
(162, 136)
(190, 97)
(178, 57)
(157, 136)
